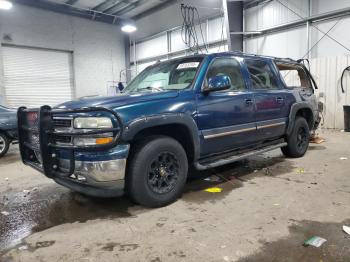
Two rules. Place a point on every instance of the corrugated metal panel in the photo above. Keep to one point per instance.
(177, 42)
(217, 29)
(273, 13)
(323, 6)
(327, 73)
(291, 43)
(35, 77)
(153, 47)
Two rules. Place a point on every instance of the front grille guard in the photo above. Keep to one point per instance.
(43, 156)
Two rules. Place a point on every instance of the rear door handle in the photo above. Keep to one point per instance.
(248, 102)
(279, 100)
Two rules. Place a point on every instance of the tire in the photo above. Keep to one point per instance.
(4, 144)
(157, 172)
(298, 140)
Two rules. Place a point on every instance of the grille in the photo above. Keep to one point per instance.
(33, 138)
(60, 122)
(63, 139)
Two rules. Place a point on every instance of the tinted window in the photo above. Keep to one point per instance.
(261, 74)
(229, 67)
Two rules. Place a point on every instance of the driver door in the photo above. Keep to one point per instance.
(226, 118)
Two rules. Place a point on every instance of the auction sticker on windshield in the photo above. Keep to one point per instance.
(188, 65)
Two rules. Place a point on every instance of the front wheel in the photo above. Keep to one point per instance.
(157, 172)
(298, 140)
(4, 144)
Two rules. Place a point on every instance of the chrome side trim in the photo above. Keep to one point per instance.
(230, 133)
(271, 125)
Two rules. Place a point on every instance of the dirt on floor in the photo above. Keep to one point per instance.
(268, 206)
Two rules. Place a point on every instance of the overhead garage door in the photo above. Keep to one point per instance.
(36, 77)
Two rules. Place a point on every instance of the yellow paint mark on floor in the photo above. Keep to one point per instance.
(213, 190)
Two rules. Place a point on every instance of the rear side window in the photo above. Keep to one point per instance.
(294, 76)
(261, 74)
(229, 67)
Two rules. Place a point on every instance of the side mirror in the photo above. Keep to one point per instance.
(217, 83)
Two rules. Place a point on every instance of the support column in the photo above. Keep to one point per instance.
(233, 11)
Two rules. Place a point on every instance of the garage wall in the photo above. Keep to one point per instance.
(273, 13)
(98, 48)
(170, 16)
(327, 72)
(327, 58)
(159, 35)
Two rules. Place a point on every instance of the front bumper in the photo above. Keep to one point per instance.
(92, 170)
(102, 177)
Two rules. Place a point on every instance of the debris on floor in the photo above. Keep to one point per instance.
(5, 213)
(25, 247)
(343, 158)
(267, 171)
(213, 178)
(300, 170)
(346, 229)
(317, 140)
(314, 241)
(213, 190)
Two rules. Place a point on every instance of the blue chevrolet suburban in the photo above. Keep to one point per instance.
(200, 111)
(8, 128)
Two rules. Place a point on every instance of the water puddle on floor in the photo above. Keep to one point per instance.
(336, 248)
(37, 209)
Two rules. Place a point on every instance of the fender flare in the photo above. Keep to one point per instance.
(293, 111)
(139, 124)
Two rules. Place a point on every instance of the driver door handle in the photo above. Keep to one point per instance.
(248, 102)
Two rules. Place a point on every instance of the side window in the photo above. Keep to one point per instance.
(261, 74)
(229, 67)
(294, 76)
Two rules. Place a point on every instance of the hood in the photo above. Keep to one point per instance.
(117, 101)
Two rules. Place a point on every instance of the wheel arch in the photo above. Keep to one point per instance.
(300, 109)
(180, 127)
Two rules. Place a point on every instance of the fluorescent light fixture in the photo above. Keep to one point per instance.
(5, 5)
(129, 28)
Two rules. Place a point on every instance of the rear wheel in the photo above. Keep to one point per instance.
(298, 140)
(4, 144)
(157, 172)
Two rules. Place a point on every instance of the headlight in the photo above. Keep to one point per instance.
(93, 122)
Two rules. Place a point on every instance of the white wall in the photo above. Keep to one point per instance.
(170, 16)
(328, 59)
(98, 48)
(273, 13)
(327, 72)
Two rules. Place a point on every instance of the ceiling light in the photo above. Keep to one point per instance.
(129, 28)
(6, 5)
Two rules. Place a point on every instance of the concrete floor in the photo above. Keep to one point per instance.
(268, 207)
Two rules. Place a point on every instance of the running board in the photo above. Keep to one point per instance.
(228, 160)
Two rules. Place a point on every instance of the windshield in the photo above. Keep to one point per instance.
(170, 75)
